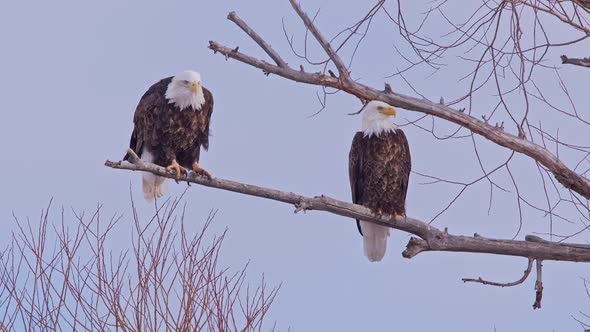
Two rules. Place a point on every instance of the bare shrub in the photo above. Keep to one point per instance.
(61, 275)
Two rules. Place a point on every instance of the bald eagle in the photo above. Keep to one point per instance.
(171, 125)
(379, 170)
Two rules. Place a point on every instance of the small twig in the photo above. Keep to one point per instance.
(526, 274)
(387, 88)
(521, 133)
(359, 111)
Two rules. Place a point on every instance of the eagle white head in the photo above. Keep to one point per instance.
(376, 118)
(186, 90)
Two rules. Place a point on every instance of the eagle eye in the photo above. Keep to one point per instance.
(381, 108)
(185, 81)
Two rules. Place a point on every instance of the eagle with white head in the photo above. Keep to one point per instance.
(379, 171)
(171, 125)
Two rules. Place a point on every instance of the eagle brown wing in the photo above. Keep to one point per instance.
(152, 103)
(206, 112)
(355, 164)
(404, 166)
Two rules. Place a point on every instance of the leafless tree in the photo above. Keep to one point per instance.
(509, 96)
(57, 276)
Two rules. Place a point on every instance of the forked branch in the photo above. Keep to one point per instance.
(566, 176)
(430, 238)
(527, 272)
(524, 277)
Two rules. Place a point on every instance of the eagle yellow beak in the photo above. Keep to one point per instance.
(389, 111)
(194, 86)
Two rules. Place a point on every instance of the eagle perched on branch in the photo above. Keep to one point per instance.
(171, 124)
(379, 170)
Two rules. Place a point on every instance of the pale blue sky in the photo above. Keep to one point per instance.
(72, 73)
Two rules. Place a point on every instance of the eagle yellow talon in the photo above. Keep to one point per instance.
(199, 170)
(177, 169)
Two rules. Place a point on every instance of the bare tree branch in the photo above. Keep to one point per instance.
(566, 176)
(432, 239)
(584, 62)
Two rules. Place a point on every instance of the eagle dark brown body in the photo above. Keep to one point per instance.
(379, 170)
(167, 132)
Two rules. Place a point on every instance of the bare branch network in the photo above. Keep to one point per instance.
(566, 176)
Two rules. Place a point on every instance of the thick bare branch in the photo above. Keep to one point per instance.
(567, 177)
(583, 62)
(432, 239)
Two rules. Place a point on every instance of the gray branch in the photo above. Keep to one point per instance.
(430, 238)
(567, 177)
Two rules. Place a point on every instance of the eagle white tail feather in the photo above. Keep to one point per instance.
(154, 186)
(374, 240)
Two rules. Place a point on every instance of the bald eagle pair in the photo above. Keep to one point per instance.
(172, 124)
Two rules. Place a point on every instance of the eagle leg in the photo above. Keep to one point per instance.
(199, 170)
(177, 169)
